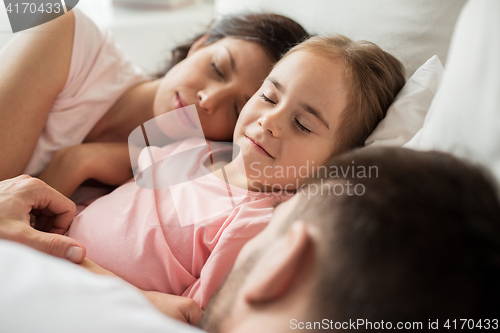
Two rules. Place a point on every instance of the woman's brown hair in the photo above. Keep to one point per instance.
(275, 33)
(374, 78)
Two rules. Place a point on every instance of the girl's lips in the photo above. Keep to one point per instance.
(258, 147)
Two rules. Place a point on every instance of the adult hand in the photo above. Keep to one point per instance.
(177, 307)
(23, 195)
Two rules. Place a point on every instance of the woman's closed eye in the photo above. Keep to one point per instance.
(216, 69)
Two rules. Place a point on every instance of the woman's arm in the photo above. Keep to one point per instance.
(177, 307)
(107, 162)
(33, 71)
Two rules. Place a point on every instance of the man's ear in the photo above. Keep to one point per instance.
(276, 271)
(198, 44)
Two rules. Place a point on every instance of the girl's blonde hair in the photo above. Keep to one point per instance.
(374, 78)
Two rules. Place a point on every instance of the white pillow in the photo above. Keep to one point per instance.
(464, 118)
(413, 31)
(40, 293)
(406, 114)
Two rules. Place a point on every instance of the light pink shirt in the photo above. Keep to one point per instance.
(99, 74)
(181, 240)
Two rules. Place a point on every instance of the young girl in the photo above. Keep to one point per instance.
(69, 89)
(324, 97)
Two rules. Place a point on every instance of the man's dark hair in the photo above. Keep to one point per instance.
(275, 33)
(422, 242)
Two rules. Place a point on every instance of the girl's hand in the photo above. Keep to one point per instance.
(177, 307)
(106, 162)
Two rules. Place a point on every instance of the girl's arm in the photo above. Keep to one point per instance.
(107, 162)
(34, 68)
(177, 307)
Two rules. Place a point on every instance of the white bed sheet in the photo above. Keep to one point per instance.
(40, 293)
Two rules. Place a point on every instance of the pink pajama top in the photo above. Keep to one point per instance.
(182, 239)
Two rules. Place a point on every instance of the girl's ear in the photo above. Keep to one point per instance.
(276, 273)
(198, 44)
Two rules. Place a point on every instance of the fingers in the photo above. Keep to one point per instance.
(192, 312)
(47, 200)
(55, 245)
(53, 201)
(177, 307)
(20, 196)
(20, 177)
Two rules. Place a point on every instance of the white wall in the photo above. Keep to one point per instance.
(146, 36)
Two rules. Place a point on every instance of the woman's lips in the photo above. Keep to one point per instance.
(183, 114)
(179, 102)
(258, 147)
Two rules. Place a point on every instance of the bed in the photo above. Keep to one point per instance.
(450, 103)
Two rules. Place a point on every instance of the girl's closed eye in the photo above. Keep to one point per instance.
(267, 99)
(297, 122)
(302, 127)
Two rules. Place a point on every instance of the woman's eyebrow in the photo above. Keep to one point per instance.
(235, 71)
(231, 60)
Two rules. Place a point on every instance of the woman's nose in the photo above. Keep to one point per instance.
(204, 101)
(211, 99)
(271, 122)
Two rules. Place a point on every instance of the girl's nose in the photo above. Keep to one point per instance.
(272, 122)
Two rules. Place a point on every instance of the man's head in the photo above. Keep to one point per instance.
(418, 240)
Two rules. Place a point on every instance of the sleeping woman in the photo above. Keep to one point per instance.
(324, 97)
(67, 94)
